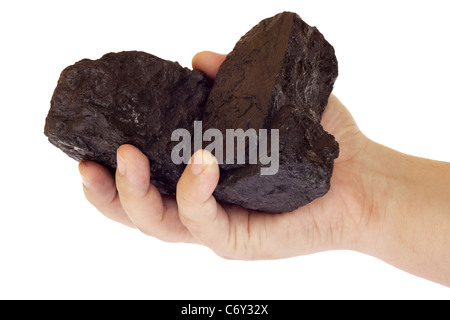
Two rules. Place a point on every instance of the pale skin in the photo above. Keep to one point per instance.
(383, 203)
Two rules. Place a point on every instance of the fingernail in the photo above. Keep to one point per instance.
(197, 168)
(121, 164)
(201, 160)
(85, 182)
(83, 178)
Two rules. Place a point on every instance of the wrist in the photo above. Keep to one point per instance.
(375, 176)
(382, 177)
(407, 220)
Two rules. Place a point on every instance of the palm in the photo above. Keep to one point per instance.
(314, 225)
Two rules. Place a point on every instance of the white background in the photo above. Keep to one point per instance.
(394, 78)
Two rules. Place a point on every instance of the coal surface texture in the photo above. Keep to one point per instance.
(279, 76)
(128, 97)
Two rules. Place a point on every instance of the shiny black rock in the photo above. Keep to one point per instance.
(128, 97)
(278, 76)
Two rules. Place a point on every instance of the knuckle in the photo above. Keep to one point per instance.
(187, 220)
(185, 199)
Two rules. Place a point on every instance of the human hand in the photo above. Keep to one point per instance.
(229, 230)
(376, 204)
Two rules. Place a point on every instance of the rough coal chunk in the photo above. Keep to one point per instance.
(128, 97)
(279, 76)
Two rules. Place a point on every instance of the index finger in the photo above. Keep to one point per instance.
(209, 62)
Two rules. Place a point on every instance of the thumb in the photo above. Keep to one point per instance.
(197, 208)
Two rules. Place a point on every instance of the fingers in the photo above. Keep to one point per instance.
(141, 200)
(208, 62)
(100, 190)
(197, 208)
